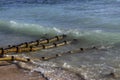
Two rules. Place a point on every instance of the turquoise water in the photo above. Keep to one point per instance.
(92, 22)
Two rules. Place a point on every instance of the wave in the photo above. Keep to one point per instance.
(84, 36)
(4, 2)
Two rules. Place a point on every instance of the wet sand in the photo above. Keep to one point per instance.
(12, 72)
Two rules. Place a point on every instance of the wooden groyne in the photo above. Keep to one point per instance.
(37, 46)
(17, 49)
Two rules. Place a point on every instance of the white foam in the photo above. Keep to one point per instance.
(98, 31)
(57, 30)
(13, 22)
(66, 65)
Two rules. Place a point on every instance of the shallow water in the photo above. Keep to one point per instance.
(91, 22)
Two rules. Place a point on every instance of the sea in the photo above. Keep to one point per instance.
(90, 22)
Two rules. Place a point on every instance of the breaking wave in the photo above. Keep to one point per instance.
(89, 36)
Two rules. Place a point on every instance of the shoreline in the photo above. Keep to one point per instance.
(13, 72)
(9, 71)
